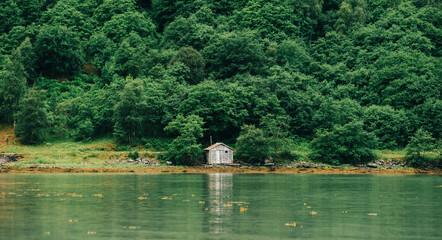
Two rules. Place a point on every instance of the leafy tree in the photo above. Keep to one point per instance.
(185, 149)
(130, 58)
(25, 55)
(293, 53)
(429, 116)
(9, 15)
(271, 19)
(194, 61)
(185, 32)
(32, 121)
(99, 49)
(58, 51)
(231, 53)
(221, 108)
(85, 130)
(12, 86)
(391, 127)
(344, 144)
(350, 12)
(276, 128)
(121, 25)
(110, 8)
(252, 146)
(339, 112)
(65, 13)
(421, 142)
(128, 115)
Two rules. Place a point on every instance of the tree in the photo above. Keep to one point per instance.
(252, 146)
(421, 142)
(344, 144)
(228, 54)
(276, 128)
(391, 127)
(32, 121)
(128, 115)
(25, 55)
(185, 32)
(185, 149)
(121, 25)
(58, 51)
(194, 61)
(271, 19)
(339, 112)
(9, 15)
(12, 86)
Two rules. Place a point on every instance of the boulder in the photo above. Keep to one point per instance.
(372, 165)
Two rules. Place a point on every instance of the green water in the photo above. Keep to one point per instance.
(131, 206)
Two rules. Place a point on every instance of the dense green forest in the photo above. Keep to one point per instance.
(346, 76)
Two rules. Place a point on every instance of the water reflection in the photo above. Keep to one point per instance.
(220, 193)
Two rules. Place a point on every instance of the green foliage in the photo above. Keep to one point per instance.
(276, 128)
(58, 51)
(421, 142)
(291, 67)
(344, 144)
(248, 57)
(185, 149)
(194, 61)
(12, 86)
(9, 15)
(32, 122)
(121, 25)
(128, 115)
(252, 146)
(391, 127)
(271, 19)
(133, 155)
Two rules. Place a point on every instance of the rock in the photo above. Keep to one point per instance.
(372, 165)
(34, 166)
(168, 162)
(9, 157)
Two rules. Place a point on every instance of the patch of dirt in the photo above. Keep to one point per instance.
(7, 137)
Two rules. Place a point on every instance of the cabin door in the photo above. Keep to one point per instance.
(218, 157)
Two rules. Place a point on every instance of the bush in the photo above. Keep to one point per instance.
(185, 149)
(252, 146)
(421, 142)
(121, 148)
(347, 144)
(133, 155)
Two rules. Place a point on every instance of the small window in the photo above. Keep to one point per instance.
(227, 151)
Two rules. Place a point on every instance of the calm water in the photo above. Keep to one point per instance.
(219, 206)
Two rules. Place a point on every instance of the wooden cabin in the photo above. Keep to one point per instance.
(219, 153)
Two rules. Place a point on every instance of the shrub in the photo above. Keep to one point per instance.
(347, 144)
(133, 155)
(252, 146)
(121, 148)
(421, 142)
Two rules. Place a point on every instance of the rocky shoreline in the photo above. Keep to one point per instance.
(207, 169)
(8, 158)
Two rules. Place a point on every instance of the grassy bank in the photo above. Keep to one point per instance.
(102, 153)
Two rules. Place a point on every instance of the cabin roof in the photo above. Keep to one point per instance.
(218, 144)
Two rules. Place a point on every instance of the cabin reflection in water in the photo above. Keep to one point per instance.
(220, 193)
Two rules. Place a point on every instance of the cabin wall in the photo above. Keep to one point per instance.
(220, 155)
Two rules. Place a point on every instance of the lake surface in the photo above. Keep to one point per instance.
(219, 206)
